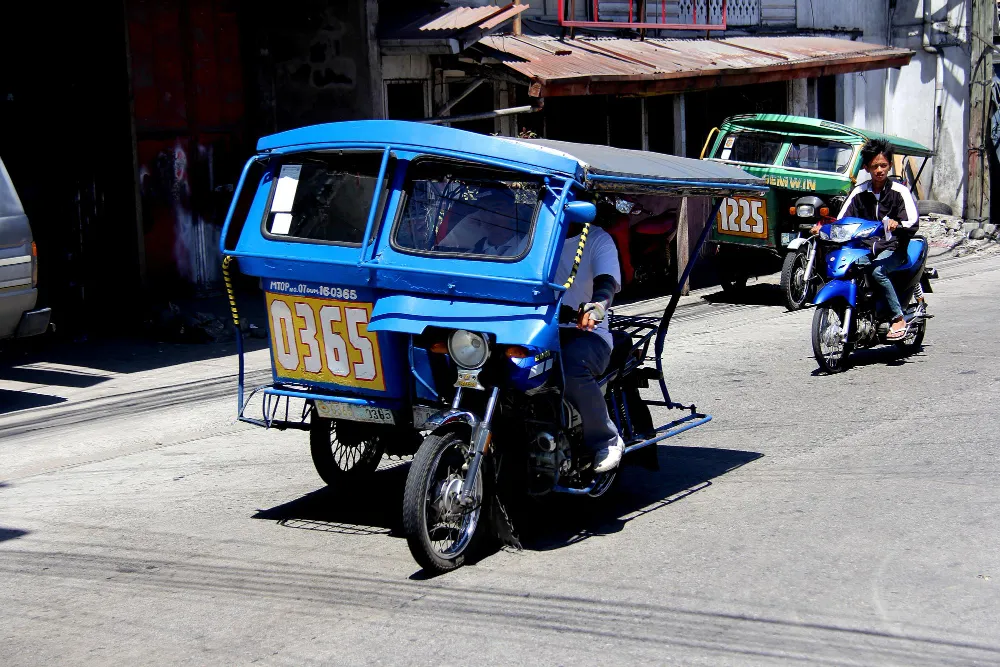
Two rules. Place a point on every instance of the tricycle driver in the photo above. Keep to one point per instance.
(586, 340)
(890, 201)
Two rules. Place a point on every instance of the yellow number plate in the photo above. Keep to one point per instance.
(743, 216)
(323, 340)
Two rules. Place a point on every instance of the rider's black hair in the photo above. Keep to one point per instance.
(873, 148)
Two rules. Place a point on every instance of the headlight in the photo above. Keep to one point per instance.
(805, 210)
(469, 350)
(841, 233)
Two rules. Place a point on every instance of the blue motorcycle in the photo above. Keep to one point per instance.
(850, 311)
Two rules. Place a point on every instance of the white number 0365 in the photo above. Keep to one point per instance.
(324, 341)
(743, 216)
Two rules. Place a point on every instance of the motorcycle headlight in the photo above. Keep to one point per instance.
(805, 210)
(841, 233)
(865, 232)
(469, 350)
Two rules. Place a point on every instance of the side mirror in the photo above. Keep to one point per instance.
(580, 212)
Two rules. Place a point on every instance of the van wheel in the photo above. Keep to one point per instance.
(927, 206)
(343, 451)
(794, 286)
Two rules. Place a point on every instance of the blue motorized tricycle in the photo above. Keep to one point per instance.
(409, 273)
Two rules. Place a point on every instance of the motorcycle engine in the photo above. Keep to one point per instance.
(867, 332)
(550, 449)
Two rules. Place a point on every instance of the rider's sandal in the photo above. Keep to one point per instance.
(896, 335)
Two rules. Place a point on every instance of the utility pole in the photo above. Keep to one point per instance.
(980, 86)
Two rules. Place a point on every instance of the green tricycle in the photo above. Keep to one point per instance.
(811, 165)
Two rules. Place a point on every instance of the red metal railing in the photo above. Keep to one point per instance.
(632, 14)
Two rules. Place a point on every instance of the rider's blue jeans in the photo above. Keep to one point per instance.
(585, 356)
(887, 262)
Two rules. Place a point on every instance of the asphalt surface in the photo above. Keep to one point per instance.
(849, 519)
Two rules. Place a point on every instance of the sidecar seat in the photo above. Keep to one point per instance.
(916, 253)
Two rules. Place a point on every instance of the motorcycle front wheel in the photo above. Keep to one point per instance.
(829, 348)
(440, 530)
(794, 284)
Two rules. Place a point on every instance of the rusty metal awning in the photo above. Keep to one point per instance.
(618, 66)
(448, 31)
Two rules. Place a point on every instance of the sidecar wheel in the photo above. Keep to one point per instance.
(831, 352)
(439, 530)
(343, 451)
(794, 286)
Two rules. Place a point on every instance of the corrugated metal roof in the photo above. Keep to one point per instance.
(595, 65)
(454, 28)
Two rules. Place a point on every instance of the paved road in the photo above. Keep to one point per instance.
(811, 522)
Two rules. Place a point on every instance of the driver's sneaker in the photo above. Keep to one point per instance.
(608, 458)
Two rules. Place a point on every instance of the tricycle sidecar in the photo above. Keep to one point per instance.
(411, 280)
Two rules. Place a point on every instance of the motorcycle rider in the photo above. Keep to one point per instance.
(585, 338)
(891, 202)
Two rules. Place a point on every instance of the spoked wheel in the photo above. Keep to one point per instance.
(914, 339)
(794, 286)
(828, 338)
(439, 529)
(343, 451)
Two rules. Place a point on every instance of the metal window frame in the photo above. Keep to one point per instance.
(632, 11)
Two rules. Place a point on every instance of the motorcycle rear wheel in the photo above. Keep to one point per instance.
(831, 353)
(439, 531)
(912, 343)
(794, 286)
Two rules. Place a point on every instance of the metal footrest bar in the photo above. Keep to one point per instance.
(670, 430)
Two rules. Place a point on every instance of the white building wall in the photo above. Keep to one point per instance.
(926, 101)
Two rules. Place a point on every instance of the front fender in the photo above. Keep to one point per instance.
(842, 289)
(797, 243)
(450, 418)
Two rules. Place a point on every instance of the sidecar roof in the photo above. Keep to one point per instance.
(598, 168)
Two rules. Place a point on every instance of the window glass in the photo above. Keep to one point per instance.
(326, 196)
(819, 154)
(752, 147)
(462, 209)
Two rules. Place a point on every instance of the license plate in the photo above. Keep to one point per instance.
(354, 413)
(743, 216)
(324, 340)
(421, 413)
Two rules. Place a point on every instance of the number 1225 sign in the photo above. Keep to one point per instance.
(743, 217)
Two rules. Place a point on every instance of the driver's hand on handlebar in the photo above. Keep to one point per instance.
(591, 314)
(815, 229)
(891, 225)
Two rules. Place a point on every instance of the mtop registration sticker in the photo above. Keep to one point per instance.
(319, 333)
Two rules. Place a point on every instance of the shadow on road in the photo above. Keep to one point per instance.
(12, 401)
(372, 508)
(550, 523)
(764, 294)
(113, 356)
(559, 521)
(11, 533)
(882, 355)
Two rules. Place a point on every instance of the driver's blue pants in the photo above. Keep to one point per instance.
(585, 356)
(887, 262)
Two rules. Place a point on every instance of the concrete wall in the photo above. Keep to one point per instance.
(318, 62)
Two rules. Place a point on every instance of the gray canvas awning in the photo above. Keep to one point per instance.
(622, 170)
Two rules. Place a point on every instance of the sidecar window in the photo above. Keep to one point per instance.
(325, 197)
(460, 209)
